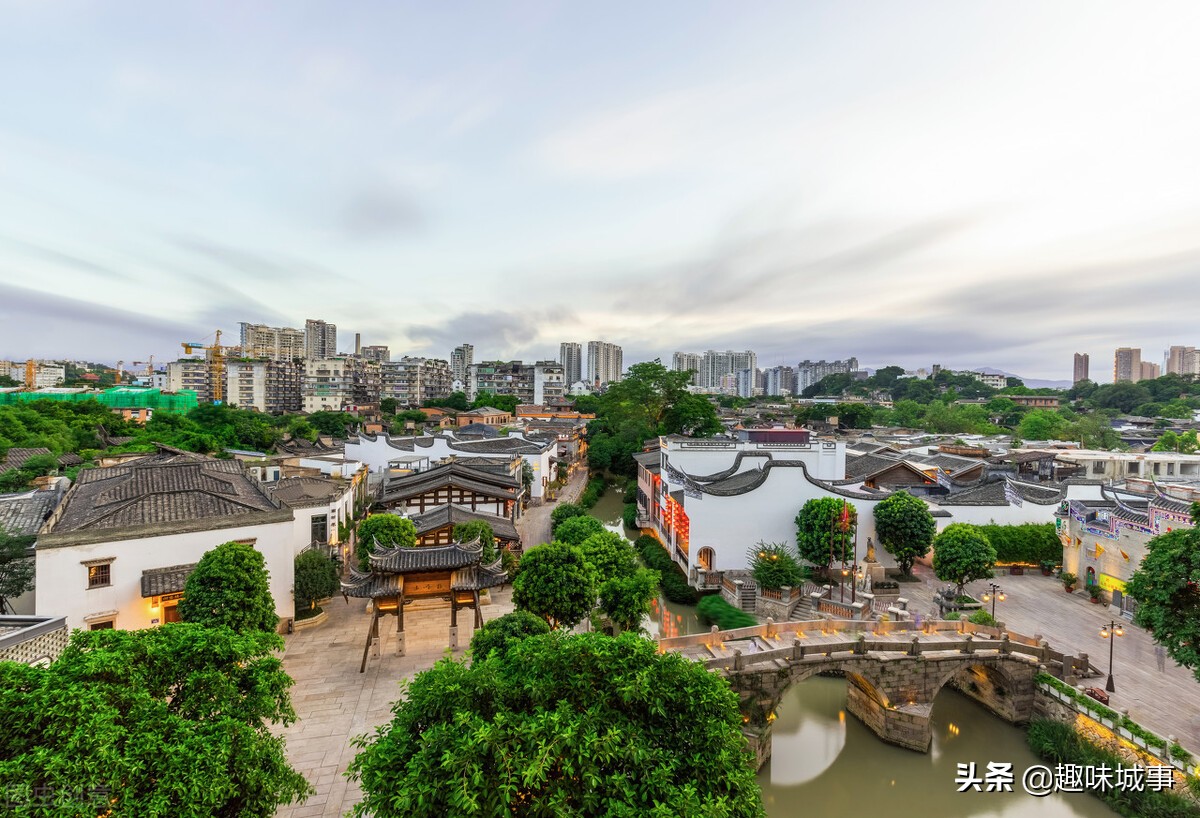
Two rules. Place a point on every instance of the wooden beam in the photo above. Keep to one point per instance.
(372, 630)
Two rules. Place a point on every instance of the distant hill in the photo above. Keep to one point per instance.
(1032, 383)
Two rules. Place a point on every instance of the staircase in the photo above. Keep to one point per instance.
(750, 597)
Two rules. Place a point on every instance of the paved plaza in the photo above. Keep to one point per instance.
(1166, 701)
(335, 703)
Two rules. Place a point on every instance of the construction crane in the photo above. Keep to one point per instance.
(30, 374)
(214, 354)
(149, 366)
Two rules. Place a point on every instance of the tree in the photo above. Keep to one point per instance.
(1167, 589)
(478, 529)
(555, 583)
(505, 403)
(455, 400)
(1040, 424)
(575, 530)
(626, 599)
(501, 633)
(526, 477)
(824, 530)
(389, 530)
(316, 578)
(527, 734)
(163, 721)
(388, 406)
(564, 512)
(962, 554)
(905, 528)
(774, 566)
(609, 554)
(230, 586)
(16, 568)
(1167, 442)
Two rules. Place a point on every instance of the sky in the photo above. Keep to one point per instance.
(984, 184)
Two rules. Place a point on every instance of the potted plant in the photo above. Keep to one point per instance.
(1068, 581)
(1047, 568)
(1094, 593)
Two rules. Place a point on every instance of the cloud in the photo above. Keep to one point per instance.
(495, 334)
(42, 324)
(67, 260)
(378, 212)
(273, 269)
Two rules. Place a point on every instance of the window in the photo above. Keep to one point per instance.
(106, 625)
(98, 577)
(320, 529)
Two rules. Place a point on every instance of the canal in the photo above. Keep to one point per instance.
(825, 762)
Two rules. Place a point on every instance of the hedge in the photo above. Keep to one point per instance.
(629, 515)
(1060, 744)
(1028, 543)
(674, 584)
(983, 618)
(714, 610)
(592, 492)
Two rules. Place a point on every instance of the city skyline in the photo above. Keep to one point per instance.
(171, 170)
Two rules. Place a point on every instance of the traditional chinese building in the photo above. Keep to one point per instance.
(453, 483)
(436, 526)
(399, 575)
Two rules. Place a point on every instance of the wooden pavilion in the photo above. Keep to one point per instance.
(400, 575)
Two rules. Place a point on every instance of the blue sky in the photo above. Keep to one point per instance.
(975, 184)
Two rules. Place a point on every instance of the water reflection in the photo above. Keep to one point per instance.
(825, 761)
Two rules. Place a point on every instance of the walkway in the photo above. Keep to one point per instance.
(534, 525)
(1167, 702)
(334, 702)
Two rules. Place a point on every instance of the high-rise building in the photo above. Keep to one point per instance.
(715, 365)
(42, 374)
(1081, 368)
(320, 340)
(570, 355)
(687, 362)
(461, 360)
(1183, 360)
(809, 373)
(779, 380)
(271, 343)
(1127, 364)
(332, 384)
(603, 362)
(265, 385)
(191, 373)
(1150, 371)
(747, 383)
(376, 352)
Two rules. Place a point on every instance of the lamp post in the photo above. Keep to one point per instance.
(993, 593)
(1114, 630)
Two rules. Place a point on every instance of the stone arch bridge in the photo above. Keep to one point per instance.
(894, 671)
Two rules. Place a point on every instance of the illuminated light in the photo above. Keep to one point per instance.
(842, 716)
(1002, 596)
(1104, 633)
(771, 716)
(1120, 631)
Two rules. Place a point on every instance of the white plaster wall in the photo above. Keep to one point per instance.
(62, 579)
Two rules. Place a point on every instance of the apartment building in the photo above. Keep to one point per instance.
(811, 372)
(1081, 368)
(687, 362)
(331, 384)
(191, 373)
(376, 352)
(271, 386)
(538, 383)
(604, 363)
(411, 380)
(779, 380)
(570, 355)
(1127, 364)
(461, 360)
(271, 343)
(320, 340)
(45, 374)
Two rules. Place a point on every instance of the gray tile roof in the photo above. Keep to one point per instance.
(444, 515)
(388, 566)
(159, 581)
(16, 458)
(501, 445)
(159, 494)
(451, 474)
(992, 494)
(303, 492)
(21, 515)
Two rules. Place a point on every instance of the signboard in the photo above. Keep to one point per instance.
(416, 585)
(170, 597)
(1110, 583)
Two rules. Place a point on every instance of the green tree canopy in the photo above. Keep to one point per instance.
(626, 599)
(962, 554)
(905, 528)
(388, 529)
(505, 403)
(455, 400)
(563, 512)
(316, 579)
(163, 721)
(1167, 589)
(610, 555)
(504, 631)
(230, 587)
(574, 530)
(478, 529)
(822, 537)
(527, 734)
(774, 566)
(555, 583)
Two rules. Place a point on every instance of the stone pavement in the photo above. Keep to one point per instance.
(534, 525)
(1167, 701)
(335, 703)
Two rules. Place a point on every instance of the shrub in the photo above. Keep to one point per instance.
(629, 515)
(715, 610)
(885, 585)
(563, 513)
(1029, 543)
(1067, 579)
(774, 567)
(316, 577)
(630, 495)
(502, 632)
(953, 616)
(592, 492)
(674, 584)
(982, 618)
(577, 529)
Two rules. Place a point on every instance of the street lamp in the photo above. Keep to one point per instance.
(992, 594)
(1114, 629)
